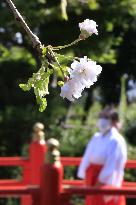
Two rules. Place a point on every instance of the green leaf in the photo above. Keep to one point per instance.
(39, 82)
(49, 71)
(60, 83)
(64, 59)
(43, 51)
(25, 87)
(43, 104)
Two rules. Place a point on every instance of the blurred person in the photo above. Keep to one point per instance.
(104, 159)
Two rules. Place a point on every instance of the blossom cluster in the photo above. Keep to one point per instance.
(82, 74)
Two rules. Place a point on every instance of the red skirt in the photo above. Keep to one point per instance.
(92, 174)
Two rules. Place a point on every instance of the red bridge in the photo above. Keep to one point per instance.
(46, 186)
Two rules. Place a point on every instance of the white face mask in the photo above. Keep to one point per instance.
(104, 125)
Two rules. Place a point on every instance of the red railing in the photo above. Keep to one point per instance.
(27, 168)
(30, 181)
(75, 161)
(18, 162)
(30, 173)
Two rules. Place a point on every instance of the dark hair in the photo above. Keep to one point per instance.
(109, 114)
(114, 116)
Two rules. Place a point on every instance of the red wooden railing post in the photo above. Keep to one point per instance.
(37, 151)
(37, 154)
(51, 175)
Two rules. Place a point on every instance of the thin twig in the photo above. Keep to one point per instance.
(67, 57)
(34, 39)
(68, 45)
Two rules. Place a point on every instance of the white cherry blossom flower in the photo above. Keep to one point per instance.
(85, 70)
(67, 91)
(87, 28)
(71, 90)
(83, 74)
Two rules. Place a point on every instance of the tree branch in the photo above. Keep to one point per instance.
(34, 39)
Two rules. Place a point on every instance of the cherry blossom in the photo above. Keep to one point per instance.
(83, 74)
(87, 28)
(71, 89)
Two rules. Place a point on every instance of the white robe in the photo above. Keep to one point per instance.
(110, 151)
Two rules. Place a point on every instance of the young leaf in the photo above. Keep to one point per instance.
(60, 83)
(25, 87)
(43, 105)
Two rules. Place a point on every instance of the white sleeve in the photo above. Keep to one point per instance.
(113, 169)
(85, 162)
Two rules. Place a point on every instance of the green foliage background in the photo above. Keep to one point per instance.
(73, 124)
